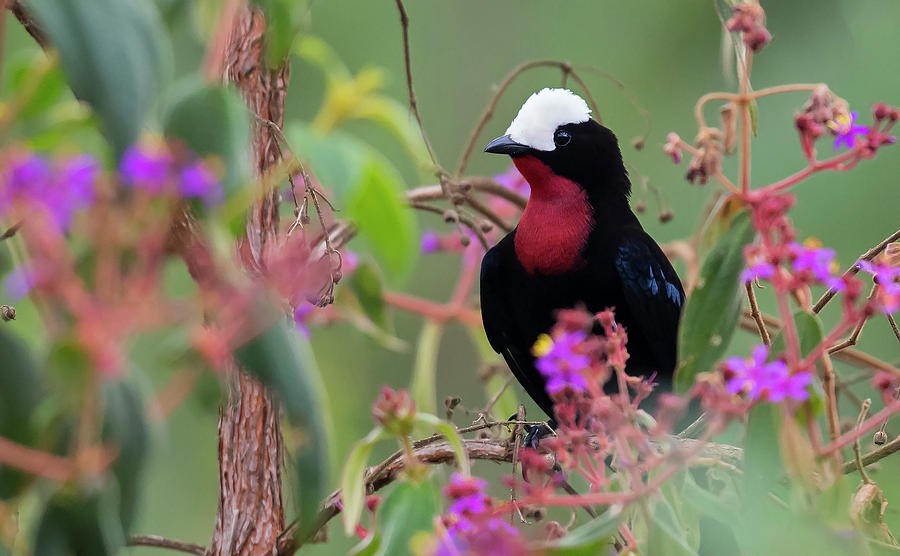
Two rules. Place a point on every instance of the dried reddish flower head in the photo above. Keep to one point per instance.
(395, 411)
(749, 19)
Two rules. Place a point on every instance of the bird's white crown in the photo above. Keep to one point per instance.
(542, 113)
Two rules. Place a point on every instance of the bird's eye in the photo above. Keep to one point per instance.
(562, 138)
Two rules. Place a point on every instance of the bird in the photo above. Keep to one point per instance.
(577, 243)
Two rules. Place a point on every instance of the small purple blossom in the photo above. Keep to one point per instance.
(301, 317)
(758, 271)
(146, 168)
(887, 277)
(196, 181)
(560, 362)
(846, 131)
(430, 243)
(765, 381)
(471, 526)
(819, 262)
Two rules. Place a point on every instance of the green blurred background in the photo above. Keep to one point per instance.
(666, 53)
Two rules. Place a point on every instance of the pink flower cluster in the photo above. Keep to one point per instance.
(471, 525)
(767, 381)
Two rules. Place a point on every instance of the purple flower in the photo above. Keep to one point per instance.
(818, 262)
(431, 243)
(758, 271)
(887, 277)
(560, 363)
(473, 529)
(845, 131)
(196, 181)
(765, 381)
(146, 168)
(301, 316)
(19, 282)
(73, 189)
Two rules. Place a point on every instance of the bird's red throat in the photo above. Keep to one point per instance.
(556, 223)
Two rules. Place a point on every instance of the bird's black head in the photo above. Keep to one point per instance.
(554, 126)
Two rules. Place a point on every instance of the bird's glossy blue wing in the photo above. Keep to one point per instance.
(653, 292)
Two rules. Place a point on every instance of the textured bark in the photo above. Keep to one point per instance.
(250, 516)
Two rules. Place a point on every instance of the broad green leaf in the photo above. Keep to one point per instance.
(21, 391)
(36, 83)
(124, 427)
(368, 189)
(368, 546)
(409, 509)
(213, 121)
(673, 491)
(353, 488)
(367, 286)
(423, 389)
(79, 523)
(378, 207)
(112, 54)
(448, 431)
(666, 536)
(721, 506)
(714, 307)
(282, 360)
(588, 539)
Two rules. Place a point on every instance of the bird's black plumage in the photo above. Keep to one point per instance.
(618, 264)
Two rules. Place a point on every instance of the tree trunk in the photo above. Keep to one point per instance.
(250, 515)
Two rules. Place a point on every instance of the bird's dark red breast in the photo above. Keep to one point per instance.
(556, 223)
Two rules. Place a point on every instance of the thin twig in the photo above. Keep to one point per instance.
(754, 312)
(867, 256)
(873, 456)
(893, 325)
(156, 541)
(857, 330)
(864, 410)
(831, 403)
(413, 102)
(11, 231)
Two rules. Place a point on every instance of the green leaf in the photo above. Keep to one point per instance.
(666, 536)
(367, 286)
(423, 386)
(112, 55)
(714, 307)
(21, 391)
(370, 191)
(39, 81)
(448, 431)
(79, 523)
(353, 487)
(282, 360)
(409, 509)
(588, 539)
(125, 428)
(213, 121)
(378, 207)
(368, 546)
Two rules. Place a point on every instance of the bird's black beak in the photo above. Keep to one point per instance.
(505, 145)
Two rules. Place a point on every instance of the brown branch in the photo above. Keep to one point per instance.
(754, 312)
(436, 451)
(874, 455)
(867, 256)
(50, 466)
(156, 541)
(11, 231)
(29, 23)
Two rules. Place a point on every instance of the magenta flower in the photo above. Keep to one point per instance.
(301, 317)
(818, 263)
(144, 168)
(472, 527)
(758, 271)
(888, 279)
(560, 362)
(845, 131)
(430, 243)
(759, 380)
(196, 181)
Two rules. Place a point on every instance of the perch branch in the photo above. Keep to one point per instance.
(156, 541)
